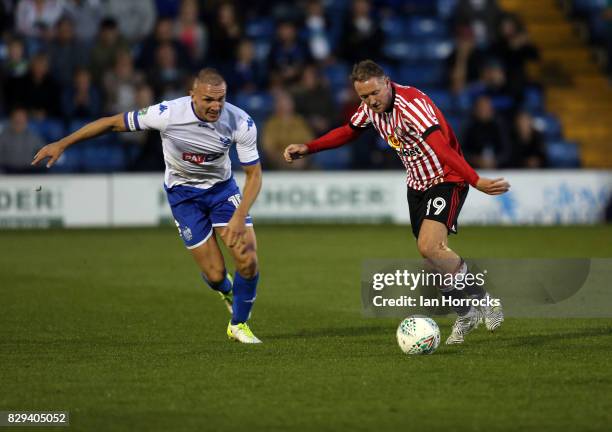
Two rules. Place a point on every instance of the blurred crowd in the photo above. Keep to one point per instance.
(66, 62)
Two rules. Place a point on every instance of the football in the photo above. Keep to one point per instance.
(418, 335)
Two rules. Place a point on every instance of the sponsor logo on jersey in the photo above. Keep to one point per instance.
(225, 141)
(411, 152)
(198, 158)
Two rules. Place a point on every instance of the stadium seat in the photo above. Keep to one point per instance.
(49, 129)
(421, 74)
(262, 49)
(402, 50)
(337, 74)
(259, 105)
(106, 155)
(456, 122)
(534, 100)
(69, 161)
(446, 8)
(437, 49)
(393, 27)
(425, 28)
(549, 125)
(339, 159)
(443, 99)
(563, 154)
(260, 28)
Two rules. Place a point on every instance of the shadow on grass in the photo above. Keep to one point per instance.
(334, 332)
(548, 338)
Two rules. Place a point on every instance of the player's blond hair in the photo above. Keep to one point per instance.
(366, 69)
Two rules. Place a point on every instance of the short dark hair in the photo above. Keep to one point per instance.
(366, 69)
(210, 76)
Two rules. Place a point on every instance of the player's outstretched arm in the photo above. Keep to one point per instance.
(99, 127)
(332, 139)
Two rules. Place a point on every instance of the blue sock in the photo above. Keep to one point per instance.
(245, 291)
(224, 286)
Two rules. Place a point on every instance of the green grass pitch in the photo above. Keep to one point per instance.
(116, 327)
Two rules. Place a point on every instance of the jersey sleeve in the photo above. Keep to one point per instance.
(153, 117)
(360, 119)
(246, 142)
(418, 113)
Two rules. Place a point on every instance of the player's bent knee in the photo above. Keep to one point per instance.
(247, 266)
(425, 248)
(214, 275)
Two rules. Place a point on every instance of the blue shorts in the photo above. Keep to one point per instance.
(197, 211)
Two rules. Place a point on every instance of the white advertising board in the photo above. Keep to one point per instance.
(536, 197)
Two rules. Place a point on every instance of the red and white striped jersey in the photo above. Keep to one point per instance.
(405, 127)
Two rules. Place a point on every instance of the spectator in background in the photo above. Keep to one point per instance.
(485, 142)
(33, 17)
(109, 44)
(287, 56)
(150, 155)
(82, 100)
(86, 16)
(246, 75)
(494, 84)
(37, 91)
(66, 53)
(164, 34)
(120, 84)
(317, 31)
(190, 32)
(16, 63)
(7, 17)
(465, 62)
(18, 144)
(282, 128)
(528, 148)
(134, 18)
(482, 16)
(166, 77)
(362, 37)
(515, 50)
(314, 100)
(226, 32)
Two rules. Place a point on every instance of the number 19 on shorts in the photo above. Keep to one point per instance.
(438, 204)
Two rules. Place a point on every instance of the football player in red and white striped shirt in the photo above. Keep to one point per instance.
(438, 177)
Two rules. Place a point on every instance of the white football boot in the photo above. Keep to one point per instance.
(493, 316)
(463, 325)
(241, 333)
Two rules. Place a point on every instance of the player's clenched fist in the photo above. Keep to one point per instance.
(52, 151)
(496, 186)
(295, 151)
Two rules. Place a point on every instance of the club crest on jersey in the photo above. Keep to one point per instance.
(225, 141)
(394, 142)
